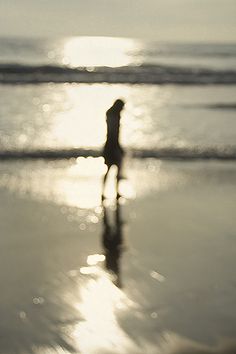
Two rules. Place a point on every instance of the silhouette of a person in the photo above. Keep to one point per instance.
(113, 152)
(112, 241)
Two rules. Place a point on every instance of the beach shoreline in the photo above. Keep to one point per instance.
(176, 260)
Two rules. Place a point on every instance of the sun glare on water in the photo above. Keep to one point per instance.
(98, 51)
(100, 331)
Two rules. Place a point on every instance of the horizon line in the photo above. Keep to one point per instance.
(145, 39)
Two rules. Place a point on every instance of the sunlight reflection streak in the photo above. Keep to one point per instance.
(102, 51)
(100, 330)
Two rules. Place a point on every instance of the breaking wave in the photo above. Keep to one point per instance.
(174, 153)
(139, 74)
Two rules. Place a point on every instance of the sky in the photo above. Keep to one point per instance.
(181, 20)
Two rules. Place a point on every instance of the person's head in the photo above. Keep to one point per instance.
(118, 105)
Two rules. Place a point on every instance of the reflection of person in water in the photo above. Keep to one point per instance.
(113, 152)
(112, 240)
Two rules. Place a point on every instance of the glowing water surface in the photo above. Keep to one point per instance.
(73, 116)
(99, 51)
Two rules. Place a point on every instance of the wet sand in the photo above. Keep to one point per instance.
(171, 246)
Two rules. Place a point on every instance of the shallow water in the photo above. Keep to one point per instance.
(73, 116)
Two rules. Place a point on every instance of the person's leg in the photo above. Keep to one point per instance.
(104, 181)
(118, 178)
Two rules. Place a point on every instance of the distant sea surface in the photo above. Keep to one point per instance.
(54, 94)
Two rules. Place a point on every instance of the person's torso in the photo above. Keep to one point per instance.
(113, 128)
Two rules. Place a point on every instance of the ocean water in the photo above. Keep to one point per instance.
(180, 97)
